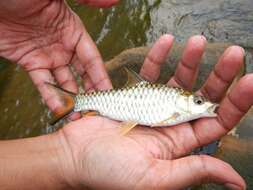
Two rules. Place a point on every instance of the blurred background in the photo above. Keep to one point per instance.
(134, 23)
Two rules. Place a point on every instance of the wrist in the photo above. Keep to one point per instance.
(36, 163)
(66, 167)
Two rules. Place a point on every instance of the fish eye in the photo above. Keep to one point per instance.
(198, 100)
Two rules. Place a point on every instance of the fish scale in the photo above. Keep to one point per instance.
(144, 103)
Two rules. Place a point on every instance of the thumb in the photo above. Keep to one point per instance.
(98, 3)
(189, 171)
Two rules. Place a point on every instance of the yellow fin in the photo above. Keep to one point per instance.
(174, 116)
(90, 113)
(126, 127)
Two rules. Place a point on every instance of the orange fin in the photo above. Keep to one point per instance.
(67, 100)
(90, 113)
(126, 127)
(174, 116)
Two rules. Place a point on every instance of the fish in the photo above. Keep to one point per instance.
(144, 103)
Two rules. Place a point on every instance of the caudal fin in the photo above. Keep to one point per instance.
(67, 100)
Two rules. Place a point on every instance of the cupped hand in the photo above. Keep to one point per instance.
(159, 158)
(45, 37)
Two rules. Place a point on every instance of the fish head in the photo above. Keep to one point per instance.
(200, 106)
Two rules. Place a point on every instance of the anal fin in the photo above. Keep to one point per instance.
(127, 126)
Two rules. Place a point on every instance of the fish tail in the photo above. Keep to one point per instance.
(67, 101)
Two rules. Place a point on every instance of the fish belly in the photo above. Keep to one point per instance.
(143, 106)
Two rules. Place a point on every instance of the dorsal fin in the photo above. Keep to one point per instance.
(133, 78)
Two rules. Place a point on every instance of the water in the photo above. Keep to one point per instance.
(139, 23)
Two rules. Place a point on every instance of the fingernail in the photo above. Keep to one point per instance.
(233, 49)
(169, 36)
(166, 38)
(198, 37)
(233, 186)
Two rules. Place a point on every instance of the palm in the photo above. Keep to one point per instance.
(45, 37)
(124, 159)
(141, 160)
(153, 158)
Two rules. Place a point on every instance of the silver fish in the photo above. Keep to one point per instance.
(147, 104)
(144, 103)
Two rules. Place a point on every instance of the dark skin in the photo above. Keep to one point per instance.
(156, 158)
(90, 153)
(45, 38)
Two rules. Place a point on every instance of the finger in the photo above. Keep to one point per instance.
(234, 106)
(189, 171)
(37, 65)
(40, 77)
(223, 74)
(99, 3)
(87, 83)
(90, 58)
(63, 73)
(156, 57)
(187, 69)
(66, 80)
(237, 103)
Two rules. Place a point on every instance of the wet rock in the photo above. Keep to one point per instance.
(222, 21)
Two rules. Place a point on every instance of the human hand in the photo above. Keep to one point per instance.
(155, 158)
(45, 37)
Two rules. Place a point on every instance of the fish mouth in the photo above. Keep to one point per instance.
(213, 109)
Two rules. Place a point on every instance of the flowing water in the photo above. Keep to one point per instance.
(135, 23)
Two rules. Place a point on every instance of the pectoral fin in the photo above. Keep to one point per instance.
(164, 122)
(126, 127)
